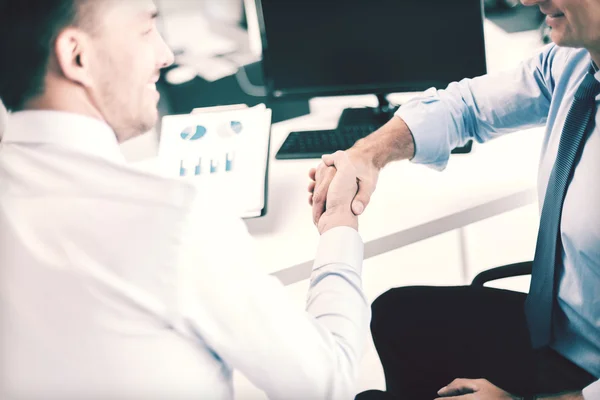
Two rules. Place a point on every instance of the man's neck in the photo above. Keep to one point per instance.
(64, 98)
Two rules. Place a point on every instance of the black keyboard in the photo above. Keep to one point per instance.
(313, 144)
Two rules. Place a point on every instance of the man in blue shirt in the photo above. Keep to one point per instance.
(482, 332)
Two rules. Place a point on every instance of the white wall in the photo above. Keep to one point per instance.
(218, 9)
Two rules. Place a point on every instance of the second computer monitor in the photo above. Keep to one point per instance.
(333, 47)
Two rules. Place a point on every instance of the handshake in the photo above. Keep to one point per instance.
(342, 185)
(340, 189)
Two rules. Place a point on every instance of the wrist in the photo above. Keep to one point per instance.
(336, 217)
(392, 142)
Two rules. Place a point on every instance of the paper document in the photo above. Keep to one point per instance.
(223, 151)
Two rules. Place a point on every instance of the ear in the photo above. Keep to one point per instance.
(72, 51)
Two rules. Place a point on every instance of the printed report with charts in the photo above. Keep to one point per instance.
(224, 151)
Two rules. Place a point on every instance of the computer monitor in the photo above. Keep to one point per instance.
(340, 47)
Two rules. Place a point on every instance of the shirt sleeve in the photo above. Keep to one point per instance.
(592, 392)
(481, 108)
(247, 319)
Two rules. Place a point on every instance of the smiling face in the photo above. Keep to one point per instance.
(126, 56)
(574, 23)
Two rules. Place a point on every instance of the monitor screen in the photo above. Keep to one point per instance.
(333, 47)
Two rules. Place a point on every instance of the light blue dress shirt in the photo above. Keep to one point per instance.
(540, 91)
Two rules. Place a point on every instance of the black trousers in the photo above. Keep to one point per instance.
(428, 336)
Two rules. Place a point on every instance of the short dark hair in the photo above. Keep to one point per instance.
(28, 32)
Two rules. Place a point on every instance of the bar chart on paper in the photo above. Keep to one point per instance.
(218, 158)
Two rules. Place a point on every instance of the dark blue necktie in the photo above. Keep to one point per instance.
(548, 252)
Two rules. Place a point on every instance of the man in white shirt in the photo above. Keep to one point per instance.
(119, 284)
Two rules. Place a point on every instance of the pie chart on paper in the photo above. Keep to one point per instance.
(230, 129)
(237, 127)
(193, 133)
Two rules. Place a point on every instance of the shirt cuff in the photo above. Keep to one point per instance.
(341, 245)
(427, 120)
(592, 392)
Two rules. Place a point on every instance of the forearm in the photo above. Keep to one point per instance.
(248, 320)
(337, 303)
(429, 126)
(392, 142)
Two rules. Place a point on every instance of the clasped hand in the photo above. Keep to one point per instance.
(342, 185)
(323, 188)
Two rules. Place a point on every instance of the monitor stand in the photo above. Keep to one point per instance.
(368, 116)
(376, 117)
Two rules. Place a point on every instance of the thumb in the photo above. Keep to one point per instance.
(362, 198)
(358, 206)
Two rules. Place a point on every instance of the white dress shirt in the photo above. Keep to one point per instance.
(120, 284)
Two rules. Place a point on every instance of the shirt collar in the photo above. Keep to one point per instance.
(73, 131)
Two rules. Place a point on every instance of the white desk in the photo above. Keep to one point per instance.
(411, 203)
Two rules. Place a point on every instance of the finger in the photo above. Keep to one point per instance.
(312, 174)
(451, 392)
(358, 207)
(460, 397)
(310, 199)
(339, 160)
(459, 386)
(456, 387)
(327, 160)
(325, 176)
(366, 188)
(363, 197)
(311, 187)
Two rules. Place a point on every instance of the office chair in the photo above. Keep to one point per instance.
(506, 271)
